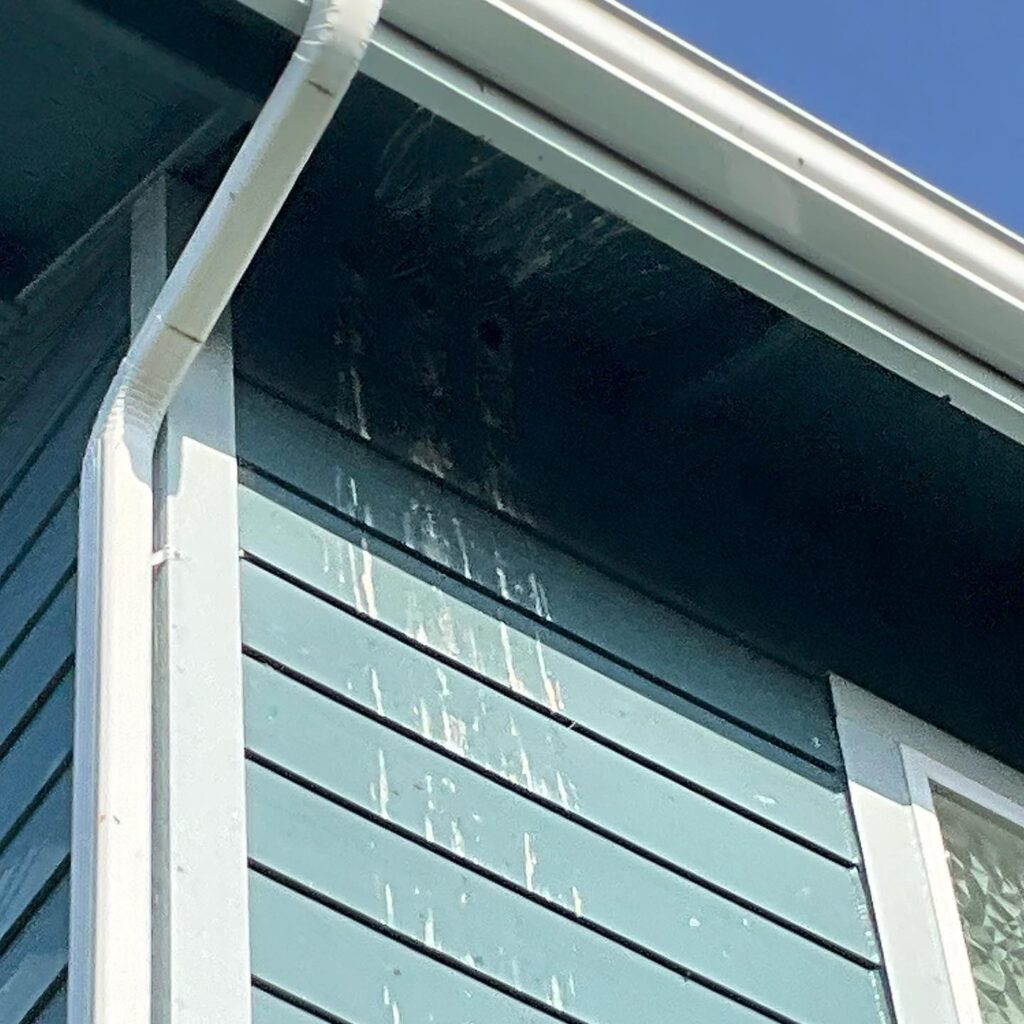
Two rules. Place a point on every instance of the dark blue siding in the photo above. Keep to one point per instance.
(59, 356)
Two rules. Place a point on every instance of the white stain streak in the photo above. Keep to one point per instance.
(467, 570)
(455, 732)
(525, 770)
(383, 791)
(429, 937)
(529, 860)
(540, 597)
(515, 683)
(356, 384)
(378, 697)
(577, 902)
(425, 724)
(428, 829)
(556, 994)
(563, 792)
(389, 905)
(458, 840)
(353, 571)
(366, 582)
(442, 678)
(502, 581)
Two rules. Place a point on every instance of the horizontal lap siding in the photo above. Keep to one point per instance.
(513, 783)
(65, 350)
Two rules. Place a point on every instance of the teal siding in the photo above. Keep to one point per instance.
(59, 356)
(487, 782)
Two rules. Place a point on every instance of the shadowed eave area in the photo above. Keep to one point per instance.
(508, 336)
(95, 98)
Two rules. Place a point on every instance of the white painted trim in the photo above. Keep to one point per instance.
(891, 760)
(820, 213)
(200, 873)
(665, 212)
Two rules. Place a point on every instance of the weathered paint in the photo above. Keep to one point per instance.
(489, 773)
(60, 355)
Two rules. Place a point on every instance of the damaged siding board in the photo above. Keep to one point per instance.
(486, 779)
(64, 349)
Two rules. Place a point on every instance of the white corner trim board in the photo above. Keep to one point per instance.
(111, 966)
(453, 77)
(892, 761)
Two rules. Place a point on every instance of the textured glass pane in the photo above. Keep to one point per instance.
(986, 860)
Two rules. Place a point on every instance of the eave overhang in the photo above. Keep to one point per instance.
(941, 287)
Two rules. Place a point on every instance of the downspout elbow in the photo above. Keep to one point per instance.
(110, 971)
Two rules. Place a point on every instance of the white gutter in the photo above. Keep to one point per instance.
(760, 161)
(110, 974)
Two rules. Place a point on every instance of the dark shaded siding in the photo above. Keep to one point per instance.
(487, 782)
(59, 354)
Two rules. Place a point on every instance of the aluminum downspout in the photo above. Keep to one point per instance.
(110, 973)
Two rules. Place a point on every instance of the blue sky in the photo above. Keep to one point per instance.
(936, 85)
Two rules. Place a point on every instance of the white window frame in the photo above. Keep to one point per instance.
(892, 759)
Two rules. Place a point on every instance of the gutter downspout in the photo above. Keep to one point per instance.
(110, 971)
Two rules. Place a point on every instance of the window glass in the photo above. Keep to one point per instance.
(986, 860)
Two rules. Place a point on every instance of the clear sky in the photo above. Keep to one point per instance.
(935, 85)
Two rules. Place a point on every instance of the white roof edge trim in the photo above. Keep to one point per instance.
(789, 109)
(697, 126)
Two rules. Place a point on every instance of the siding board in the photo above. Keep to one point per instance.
(269, 1009)
(36, 663)
(41, 749)
(55, 1010)
(48, 478)
(382, 875)
(62, 354)
(46, 562)
(33, 856)
(35, 959)
(418, 512)
(554, 762)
